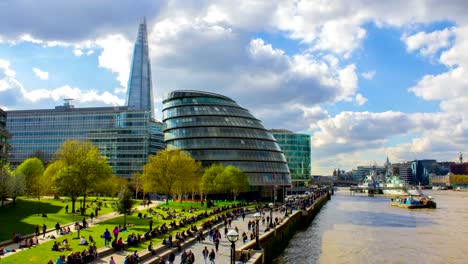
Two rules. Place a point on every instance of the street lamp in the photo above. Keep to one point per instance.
(257, 217)
(271, 213)
(233, 236)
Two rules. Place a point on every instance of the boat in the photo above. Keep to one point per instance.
(412, 203)
(394, 186)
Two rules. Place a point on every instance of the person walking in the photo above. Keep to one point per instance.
(66, 209)
(151, 225)
(216, 242)
(212, 256)
(57, 228)
(91, 216)
(107, 237)
(171, 258)
(205, 254)
(44, 229)
(190, 257)
(111, 261)
(116, 232)
(37, 230)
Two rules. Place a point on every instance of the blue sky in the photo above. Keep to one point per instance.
(366, 80)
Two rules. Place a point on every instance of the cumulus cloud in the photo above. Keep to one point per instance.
(368, 75)
(360, 99)
(428, 43)
(43, 75)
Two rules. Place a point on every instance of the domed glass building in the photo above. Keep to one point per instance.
(213, 128)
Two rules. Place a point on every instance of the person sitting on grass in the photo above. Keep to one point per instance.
(91, 239)
(83, 241)
(151, 249)
(56, 247)
(120, 244)
(23, 244)
(66, 245)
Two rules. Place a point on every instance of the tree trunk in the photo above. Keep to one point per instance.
(84, 205)
(73, 200)
(14, 200)
(167, 199)
(235, 196)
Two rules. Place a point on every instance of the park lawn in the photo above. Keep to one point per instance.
(27, 213)
(42, 253)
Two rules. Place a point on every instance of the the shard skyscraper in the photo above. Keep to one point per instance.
(140, 88)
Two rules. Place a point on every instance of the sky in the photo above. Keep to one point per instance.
(366, 79)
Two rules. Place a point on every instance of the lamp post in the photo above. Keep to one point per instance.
(233, 236)
(257, 217)
(271, 213)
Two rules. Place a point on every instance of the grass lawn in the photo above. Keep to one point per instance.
(27, 213)
(42, 253)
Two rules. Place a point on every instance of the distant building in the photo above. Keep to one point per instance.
(4, 136)
(459, 168)
(126, 135)
(421, 169)
(404, 171)
(213, 128)
(361, 172)
(297, 150)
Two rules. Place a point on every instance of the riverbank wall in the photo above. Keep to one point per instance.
(276, 240)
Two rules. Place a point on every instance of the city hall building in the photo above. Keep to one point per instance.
(213, 128)
(126, 135)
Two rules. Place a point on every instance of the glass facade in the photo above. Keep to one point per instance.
(4, 136)
(297, 149)
(125, 137)
(140, 90)
(214, 129)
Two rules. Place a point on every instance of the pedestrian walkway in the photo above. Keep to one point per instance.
(50, 232)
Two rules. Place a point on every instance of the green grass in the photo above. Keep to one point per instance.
(27, 213)
(42, 253)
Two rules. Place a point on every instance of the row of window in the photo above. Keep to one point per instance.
(204, 132)
(211, 121)
(269, 179)
(205, 110)
(240, 155)
(198, 100)
(254, 166)
(224, 143)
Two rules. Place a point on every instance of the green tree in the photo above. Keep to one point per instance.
(124, 203)
(6, 181)
(136, 182)
(208, 180)
(18, 185)
(165, 172)
(32, 169)
(236, 179)
(81, 171)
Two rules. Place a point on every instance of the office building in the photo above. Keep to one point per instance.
(297, 150)
(213, 128)
(4, 136)
(126, 135)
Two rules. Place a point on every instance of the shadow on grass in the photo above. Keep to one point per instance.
(12, 216)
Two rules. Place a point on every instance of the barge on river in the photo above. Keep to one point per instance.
(412, 203)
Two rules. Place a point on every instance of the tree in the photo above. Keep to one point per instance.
(165, 172)
(80, 170)
(32, 169)
(18, 185)
(6, 182)
(237, 179)
(137, 183)
(124, 203)
(208, 181)
(111, 186)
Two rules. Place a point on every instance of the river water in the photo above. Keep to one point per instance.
(361, 229)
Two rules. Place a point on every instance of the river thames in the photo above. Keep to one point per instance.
(361, 229)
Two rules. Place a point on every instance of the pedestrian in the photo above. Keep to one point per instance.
(91, 216)
(190, 257)
(151, 225)
(111, 261)
(205, 254)
(66, 209)
(171, 258)
(116, 232)
(183, 257)
(212, 256)
(57, 228)
(107, 237)
(37, 230)
(243, 216)
(44, 229)
(96, 212)
(216, 241)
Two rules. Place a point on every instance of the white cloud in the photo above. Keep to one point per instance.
(428, 43)
(78, 52)
(5, 66)
(368, 75)
(43, 75)
(360, 99)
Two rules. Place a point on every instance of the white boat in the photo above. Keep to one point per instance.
(394, 181)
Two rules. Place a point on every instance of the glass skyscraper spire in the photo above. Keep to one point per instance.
(140, 90)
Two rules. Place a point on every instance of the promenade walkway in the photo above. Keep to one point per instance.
(51, 231)
(224, 250)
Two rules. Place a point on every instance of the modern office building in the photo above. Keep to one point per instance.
(4, 136)
(125, 134)
(404, 171)
(297, 150)
(421, 169)
(213, 128)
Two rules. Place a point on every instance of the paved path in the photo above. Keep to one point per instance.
(96, 220)
(222, 256)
